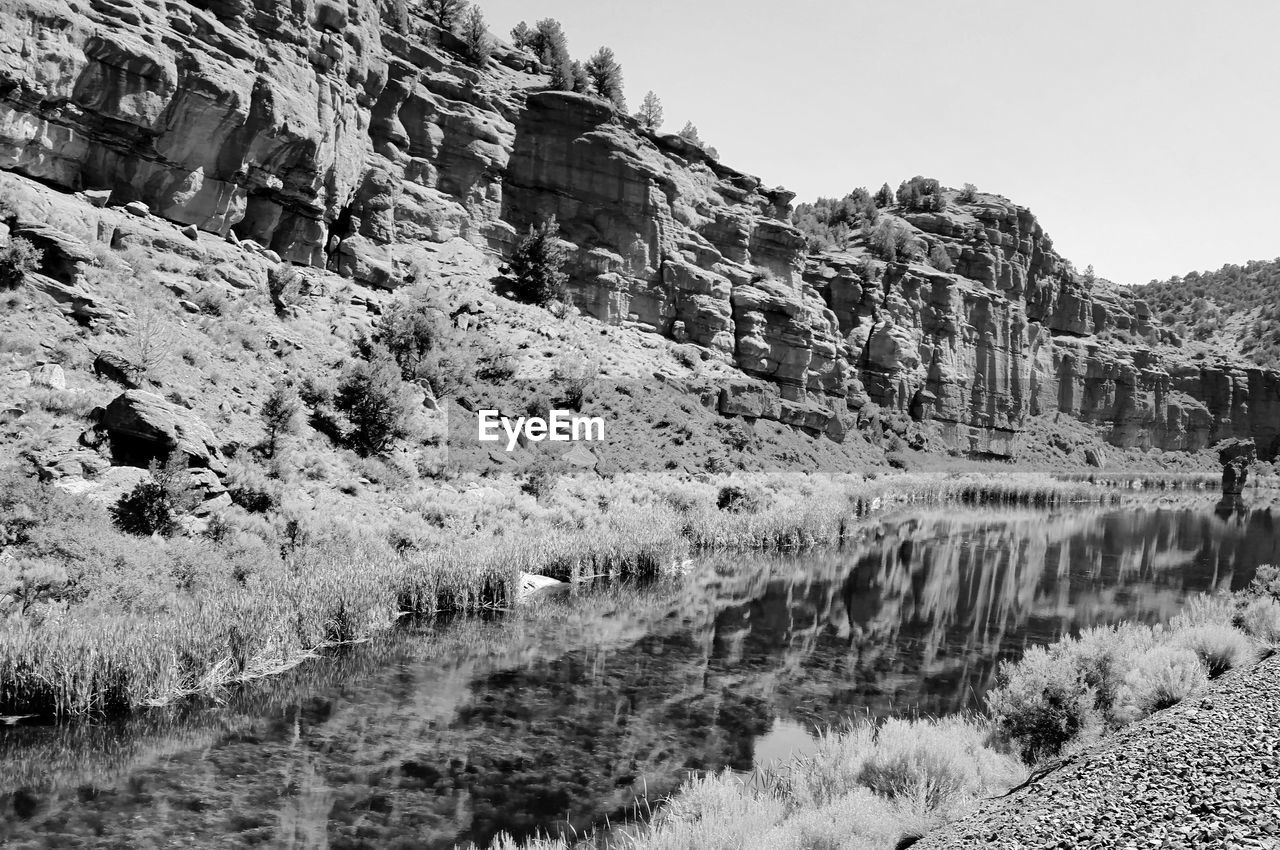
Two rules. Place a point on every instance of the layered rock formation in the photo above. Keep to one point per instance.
(346, 135)
(1011, 331)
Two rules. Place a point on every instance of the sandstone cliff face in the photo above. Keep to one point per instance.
(1011, 331)
(347, 135)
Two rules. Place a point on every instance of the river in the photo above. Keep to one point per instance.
(573, 711)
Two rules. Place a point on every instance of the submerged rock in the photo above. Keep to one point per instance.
(533, 586)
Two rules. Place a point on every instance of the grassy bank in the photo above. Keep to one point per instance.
(96, 621)
(874, 786)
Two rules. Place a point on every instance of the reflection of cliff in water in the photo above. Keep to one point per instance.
(563, 716)
(918, 620)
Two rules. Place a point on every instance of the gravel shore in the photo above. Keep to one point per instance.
(1202, 774)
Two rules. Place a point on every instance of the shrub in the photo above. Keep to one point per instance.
(538, 264)
(1220, 648)
(922, 193)
(212, 300)
(937, 761)
(28, 582)
(890, 240)
(371, 396)
(737, 498)
(1161, 677)
(279, 415)
(1102, 658)
(410, 330)
(149, 339)
(18, 258)
(940, 259)
(1206, 610)
(605, 75)
(251, 488)
(154, 507)
(1261, 619)
(540, 479)
(1041, 704)
(577, 377)
(1266, 582)
(968, 194)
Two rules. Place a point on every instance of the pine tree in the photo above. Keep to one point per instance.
(476, 37)
(552, 47)
(884, 197)
(522, 36)
(581, 79)
(606, 77)
(446, 13)
(279, 416)
(690, 132)
(371, 396)
(538, 263)
(650, 114)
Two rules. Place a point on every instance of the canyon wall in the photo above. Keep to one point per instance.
(349, 135)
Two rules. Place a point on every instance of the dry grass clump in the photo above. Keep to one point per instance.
(1261, 619)
(1160, 677)
(1219, 647)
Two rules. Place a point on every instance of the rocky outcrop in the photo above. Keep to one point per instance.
(1011, 331)
(143, 426)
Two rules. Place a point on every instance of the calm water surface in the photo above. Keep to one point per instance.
(561, 716)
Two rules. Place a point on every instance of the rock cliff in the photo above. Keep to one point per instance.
(346, 136)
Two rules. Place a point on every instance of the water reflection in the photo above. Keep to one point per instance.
(559, 718)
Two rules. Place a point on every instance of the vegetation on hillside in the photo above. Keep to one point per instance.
(830, 223)
(1236, 306)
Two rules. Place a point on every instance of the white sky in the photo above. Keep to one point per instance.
(1145, 134)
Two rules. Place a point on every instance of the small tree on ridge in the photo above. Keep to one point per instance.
(650, 114)
(606, 77)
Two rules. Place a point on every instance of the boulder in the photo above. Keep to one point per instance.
(83, 463)
(143, 426)
(63, 256)
(49, 375)
(368, 263)
(73, 300)
(107, 486)
(115, 368)
(137, 208)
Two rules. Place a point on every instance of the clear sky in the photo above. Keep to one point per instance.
(1145, 134)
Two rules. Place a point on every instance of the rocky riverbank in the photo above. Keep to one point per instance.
(1204, 773)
